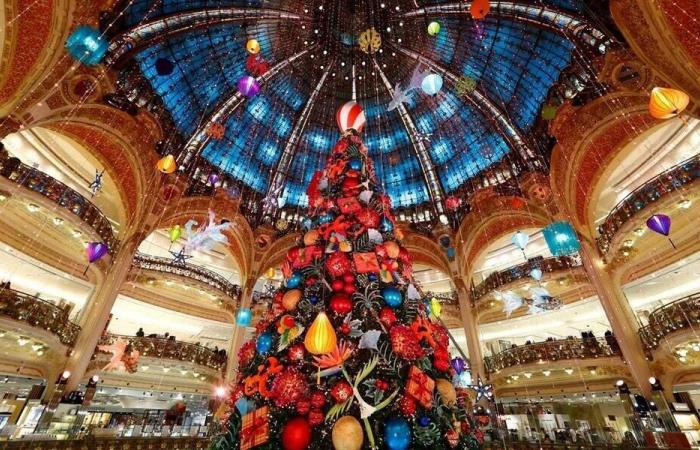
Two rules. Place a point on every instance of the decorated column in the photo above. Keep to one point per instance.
(471, 331)
(243, 317)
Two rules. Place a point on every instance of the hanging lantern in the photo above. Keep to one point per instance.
(174, 233)
(666, 103)
(433, 28)
(270, 274)
(167, 164)
(253, 46)
(561, 238)
(248, 86)
(94, 252)
(661, 223)
(520, 239)
(350, 116)
(86, 45)
(244, 317)
(432, 84)
(369, 41)
(213, 178)
(320, 338)
(480, 9)
(536, 274)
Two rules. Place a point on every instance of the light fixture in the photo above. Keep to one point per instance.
(166, 369)
(569, 371)
(32, 207)
(144, 368)
(76, 233)
(57, 221)
(22, 341)
(220, 391)
(639, 231)
(95, 378)
(527, 375)
(65, 375)
(620, 383)
(546, 373)
(685, 204)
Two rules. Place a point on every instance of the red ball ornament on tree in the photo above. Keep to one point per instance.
(349, 278)
(296, 352)
(341, 304)
(341, 391)
(289, 386)
(387, 316)
(316, 417)
(337, 285)
(318, 399)
(296, 434)
(303, 406)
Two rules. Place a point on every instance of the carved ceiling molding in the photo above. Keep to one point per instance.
(663, 34)
(590, 140)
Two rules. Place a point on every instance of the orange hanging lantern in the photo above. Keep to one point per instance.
(320, 338)
(480, 9)
(666, 103)
(167, 164)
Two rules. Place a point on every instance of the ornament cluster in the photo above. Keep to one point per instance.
(350, 355)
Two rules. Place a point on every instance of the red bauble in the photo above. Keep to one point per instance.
(349, 278)
(404, 342)
(349, 289)
(296, 352)
(337, 285)
(368, 217)
(407, 405)
(318, 399)
(316, 417)
(337, 264)
(303, 406)
(296, 434)
(340, 304)
(387, 316)
(289, 386)
(341, 391)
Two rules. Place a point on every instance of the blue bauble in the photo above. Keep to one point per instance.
(355, 164)
(392, 297)
(87, 45)
(307, 223)
(326, 218)
(243, 317)
(313, 299)
(264, 343)
(295, 280)
(424, 421)
(372, 276)
(397, 434)
(385, 225)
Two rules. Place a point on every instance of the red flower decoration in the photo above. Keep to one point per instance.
(387, 316)
(316, 417)
(296, 352)
(337, 264)
(318, 399)
(405, 343)
(289, 387)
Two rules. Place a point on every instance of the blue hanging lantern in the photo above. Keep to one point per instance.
(432, 84)
(520, 239)
(243, 317)
(561, 238)
(86, 45)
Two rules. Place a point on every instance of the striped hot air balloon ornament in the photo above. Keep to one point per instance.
(350, 116)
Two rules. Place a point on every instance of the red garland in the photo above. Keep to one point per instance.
(246, 353)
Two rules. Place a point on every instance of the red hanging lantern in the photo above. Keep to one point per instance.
(350, 116)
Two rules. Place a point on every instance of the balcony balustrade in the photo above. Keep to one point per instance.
(198, 273)
(112, 443)
(551, 351)
(164, 348)
(653, 190)
(547, 265)
(35, 180)
(682, 314)
(38, 313)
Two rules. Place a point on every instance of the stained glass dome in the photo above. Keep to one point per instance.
(498, 73)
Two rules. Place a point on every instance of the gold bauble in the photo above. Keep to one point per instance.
(253, 46)
(320, 337)
(290, 299)
(392, 249)
(310, 238)
(448, 394)
(347, 434)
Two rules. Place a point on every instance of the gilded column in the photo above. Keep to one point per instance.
(471, 332)
(238, 337)
(620, 315)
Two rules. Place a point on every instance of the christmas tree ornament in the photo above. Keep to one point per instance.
(320, 337)
(289, 387)
(448, 394)
(296, 353)
(665, 103)
(392, 297)
(294, 281)
(397, 434)
(341, 391)
(291, 299)
(433, 28)
(661, 223)
(248, 86)
(350, 116)
(316, 417)
(264, 343)
(561, 238)
(458, 364)
(244, 317)
(255, 428)
(340, 304)
(369, 41)
(318, 399)
(479, 9)
(87, 45)
(296, 434)
(347, 434)
(432, 84)
(167, 164)
(311, 237)
(253, 46)
(420, 386)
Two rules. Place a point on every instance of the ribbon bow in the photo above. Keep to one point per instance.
(258, 382)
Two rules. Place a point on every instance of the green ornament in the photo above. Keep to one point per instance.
(433, 28)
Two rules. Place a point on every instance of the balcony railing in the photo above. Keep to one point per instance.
(164, 348)
(112, 443)
(549, 351)
(663, 184)
(681, 314)
(206, 276)
(14, 170)
(507, 276)
(38, 313)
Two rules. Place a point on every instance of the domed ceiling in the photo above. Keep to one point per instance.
(497, 74)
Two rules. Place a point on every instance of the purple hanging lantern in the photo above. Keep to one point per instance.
(661, 224)
(213, 179)
(458, 365)
(94, 251)
(248, 86)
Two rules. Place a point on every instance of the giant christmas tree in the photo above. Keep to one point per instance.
(350, 356)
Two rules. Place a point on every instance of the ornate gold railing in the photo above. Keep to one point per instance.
(109, 443)
(198, 273)
(681, 314)
(14, 170)
(156, 347)
(39, 314)
(663, 184)
(504, 277)
(549, 351)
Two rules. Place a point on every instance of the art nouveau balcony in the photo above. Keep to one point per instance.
(673, 328)
(667, 191)
(163, 362)
(596, 360)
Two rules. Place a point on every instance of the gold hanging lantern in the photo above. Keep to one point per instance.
(270, 274)
(370, 41)
(666, 103)
(320, 337)
(167, 164)
(174, 233)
